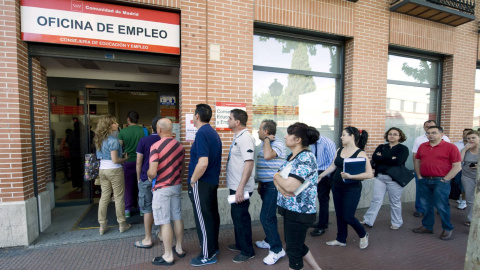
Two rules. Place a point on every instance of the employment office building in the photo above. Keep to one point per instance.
(372, 64)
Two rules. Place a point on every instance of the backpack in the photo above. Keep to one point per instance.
(92, 167)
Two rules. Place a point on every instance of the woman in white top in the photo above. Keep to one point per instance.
(111, 174)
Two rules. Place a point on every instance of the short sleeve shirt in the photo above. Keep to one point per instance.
(437, 160)
(207, 144)
(267, 168)
(304, 168)
(241, 150)
(131, 136)
(105, 153)
(169, 154)
(143, 148)
(423, 139)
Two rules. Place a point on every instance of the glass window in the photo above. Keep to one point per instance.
(412, 96)
(296, 81)
(476, 107)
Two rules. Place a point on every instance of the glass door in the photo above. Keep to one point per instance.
(71, 140)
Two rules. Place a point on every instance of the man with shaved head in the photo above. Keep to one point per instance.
(165, 170)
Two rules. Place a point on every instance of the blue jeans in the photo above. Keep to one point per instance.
(435, 193)
(346, 200)
(418, 205)
(268, 216)
(242, 223)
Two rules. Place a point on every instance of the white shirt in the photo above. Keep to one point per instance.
(241, 150)
(423, 139)
(460, 145)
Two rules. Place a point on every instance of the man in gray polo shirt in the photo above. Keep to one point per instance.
(240, 180)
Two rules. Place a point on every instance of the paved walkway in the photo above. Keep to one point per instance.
(388, 249)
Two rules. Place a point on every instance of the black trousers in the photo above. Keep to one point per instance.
(323, 193)
(207, 219)
(242, 224)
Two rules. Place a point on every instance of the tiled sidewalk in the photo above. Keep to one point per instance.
(388, 249)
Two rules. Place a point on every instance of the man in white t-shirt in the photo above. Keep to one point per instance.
(240, 179)
(419, 140)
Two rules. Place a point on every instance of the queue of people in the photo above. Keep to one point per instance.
(288, 185)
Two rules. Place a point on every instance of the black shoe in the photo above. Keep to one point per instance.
(422, 230)
(317, 232)
(418, 214)
(233, 247)
(242, 258)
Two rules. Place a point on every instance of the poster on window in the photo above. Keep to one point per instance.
(222, 112)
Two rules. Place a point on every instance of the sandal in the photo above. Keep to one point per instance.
(161, 261)
(467, 223)
(335, 243)
(393, 227)
(180, 255)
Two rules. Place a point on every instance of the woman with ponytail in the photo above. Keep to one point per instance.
(296, 183)
(347, 195)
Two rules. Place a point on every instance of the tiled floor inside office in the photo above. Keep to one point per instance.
(388, 249)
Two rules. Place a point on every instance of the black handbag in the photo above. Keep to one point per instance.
(400, 174)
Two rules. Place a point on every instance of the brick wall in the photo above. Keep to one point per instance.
(412, 32)
(366, 61)
(228, 79)
(458, 93)
(16, 181)
(335, 17)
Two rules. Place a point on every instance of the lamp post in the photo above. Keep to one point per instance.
(275, 89)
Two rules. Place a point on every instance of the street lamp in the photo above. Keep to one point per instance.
(276, 89)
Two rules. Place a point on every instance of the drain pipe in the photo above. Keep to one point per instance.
(32, 139)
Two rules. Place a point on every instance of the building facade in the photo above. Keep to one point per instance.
(371, 64)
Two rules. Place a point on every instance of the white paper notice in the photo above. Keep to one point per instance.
(190, 128)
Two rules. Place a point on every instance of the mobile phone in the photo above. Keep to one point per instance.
(473, 164)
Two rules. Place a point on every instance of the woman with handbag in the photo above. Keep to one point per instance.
(346, 194)
(469, 170)
(388, 157)
(109, 151)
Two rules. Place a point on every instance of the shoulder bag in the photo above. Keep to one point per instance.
(400, 174)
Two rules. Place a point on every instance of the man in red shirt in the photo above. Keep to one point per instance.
(436, 164)
(166, 158)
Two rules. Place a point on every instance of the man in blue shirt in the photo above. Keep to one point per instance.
(270, 156)
(145, 194)
(203, 177)
(324, 150)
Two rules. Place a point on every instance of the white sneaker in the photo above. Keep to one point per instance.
(262, 244)
(273, 257)
(462, 205)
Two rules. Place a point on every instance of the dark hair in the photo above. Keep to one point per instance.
(467, 129)
(360, 136)
(270, 126)
(402, 135)
(437, 127)
(204, 111)
(430, 121)
(68, 130)
(154, 123)
(307, 134)
(240, 115)
(133, 116)
(474, 132)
